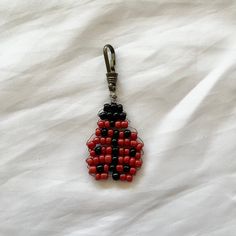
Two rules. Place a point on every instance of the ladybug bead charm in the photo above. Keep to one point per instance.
(115, 150)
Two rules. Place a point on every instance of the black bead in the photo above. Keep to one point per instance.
(112, 167)
(115, 176)
(127, 133)
(98, 150)
(122, 115)
(109, 115)
(100, 168)
(115, 116)
(119, 108)
(114, 142)
(116, 133)
(115, 151)
(113, 107)
(132, 152)
(107, 107)
(112, 123)
(103, 115)
(104, 132)
(126, 168)
(114, 160)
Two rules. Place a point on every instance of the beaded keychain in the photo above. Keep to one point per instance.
(115, 149)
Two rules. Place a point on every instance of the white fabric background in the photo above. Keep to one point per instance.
(176, 65)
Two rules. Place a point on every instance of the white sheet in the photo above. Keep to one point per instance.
(176, 65)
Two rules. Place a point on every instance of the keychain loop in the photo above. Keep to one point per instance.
(111, 73)
(109, 64)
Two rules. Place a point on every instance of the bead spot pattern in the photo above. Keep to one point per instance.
(114, 150)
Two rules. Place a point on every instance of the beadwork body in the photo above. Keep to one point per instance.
(115, 149)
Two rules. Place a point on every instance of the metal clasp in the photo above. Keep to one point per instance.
(111, 73)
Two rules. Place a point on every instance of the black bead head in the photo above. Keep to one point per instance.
(115, 116)
(103, 115)
(107, 107)
(119, 108)
(113, 107)
(112, 112)
(122, 115)
(109, 115)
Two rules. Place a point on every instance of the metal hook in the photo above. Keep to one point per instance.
(109, 64)
(111, 73)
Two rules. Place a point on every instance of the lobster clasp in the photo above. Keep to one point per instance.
(109, 64)
(111, 73)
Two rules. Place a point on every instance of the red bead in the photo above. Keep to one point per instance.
(126, 152)
(110, 132)
(138, 155)
(132, 161)
(95, 160)
(123, 177)
(118, 124)
(133, 135)
(91, 144)
(126, 159)
(119, 168)
(120, 142)
(107, 124)
(103, 140)
(139, 147)
(127, 142)
(121, 134)
(89, 161)
(133, 143)
(108, 140)
(121, 151)
(98, 132)
(96, 140)
(104, 176)
(120, 160)
(124, 124)
(129, 178)
(106, 168)
(103, 150)
(108, 159)
(132, 171)
(92, 169)
(92, 153)
(138, 163)
(101, 124)
(101, 158)
(97, 176)
(108, 150)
